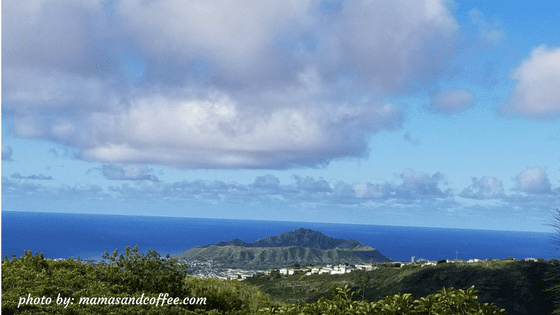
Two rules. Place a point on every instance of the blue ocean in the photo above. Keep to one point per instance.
(61, 235)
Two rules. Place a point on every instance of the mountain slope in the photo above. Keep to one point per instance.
(302, 246)
(300, 237)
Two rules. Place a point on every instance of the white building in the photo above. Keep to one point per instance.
(364, 267)
(286, 271)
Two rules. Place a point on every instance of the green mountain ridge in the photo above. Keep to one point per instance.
(301, 246)
(300, 237)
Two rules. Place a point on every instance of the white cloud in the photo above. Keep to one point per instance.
(533, 180)
(236, 37)
(385, 43)
(452, 101)
(215, 133)
(536, 94)
(217, 85)
(419, 185)
(485, 188)
(376, 189)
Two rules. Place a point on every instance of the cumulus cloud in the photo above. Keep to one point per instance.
(533, 180)
(375, 189)
(536, 93)
(127, 172)
(6, 153)
(217, 85)
(451, 101)
(39, 177)
(31, 191)
(484, 188)
(311, 185)
(267, 182)
(416, 184)
(416, 187)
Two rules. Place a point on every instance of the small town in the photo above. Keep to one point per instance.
(209, 269)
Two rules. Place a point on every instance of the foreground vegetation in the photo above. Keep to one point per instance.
(444, 302)
(133, 275)
(127, 276)
(520, 287)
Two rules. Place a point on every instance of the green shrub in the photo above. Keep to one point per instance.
(444, 302)
(127, 276)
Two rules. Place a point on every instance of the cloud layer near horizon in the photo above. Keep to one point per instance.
(415, 187)
(197, 85)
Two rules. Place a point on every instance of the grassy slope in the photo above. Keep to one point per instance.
(517, 286)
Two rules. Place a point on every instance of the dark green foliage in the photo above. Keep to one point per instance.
(343, 302)
(133, 274)
(127, 276)
(517, 286)
(554, 275)
(136, 272)
(229, 295)
(554, 289)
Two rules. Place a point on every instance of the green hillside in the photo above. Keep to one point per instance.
(517, 286)
(117, 286)
(301, 246)
(263, 258)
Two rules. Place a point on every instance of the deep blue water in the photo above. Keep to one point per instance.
(61, 235)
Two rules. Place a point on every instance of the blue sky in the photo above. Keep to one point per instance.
(416, 113)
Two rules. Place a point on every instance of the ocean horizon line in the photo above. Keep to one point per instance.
(279, 221)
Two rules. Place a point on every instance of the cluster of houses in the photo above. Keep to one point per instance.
(328, 269)
(206, 269)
